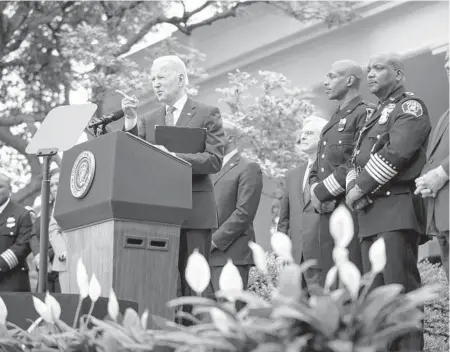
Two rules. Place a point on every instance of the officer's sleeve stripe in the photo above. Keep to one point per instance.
(10, 258)
(333, 186)
(350, 177)
(384, 165)
(376, 173)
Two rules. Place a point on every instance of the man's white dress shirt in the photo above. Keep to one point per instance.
(179, 105)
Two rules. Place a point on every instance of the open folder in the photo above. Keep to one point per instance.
(181, 139)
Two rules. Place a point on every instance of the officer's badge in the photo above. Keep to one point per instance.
(342, 123)
(412, 107)
(385, 114)
(369, 112)
(10, 222)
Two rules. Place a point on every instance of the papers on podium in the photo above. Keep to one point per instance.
(181, 139)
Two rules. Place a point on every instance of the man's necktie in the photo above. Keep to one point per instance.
(306, 188)
(170, 118)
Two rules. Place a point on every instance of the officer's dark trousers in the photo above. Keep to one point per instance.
(401, 268)
(326, 243)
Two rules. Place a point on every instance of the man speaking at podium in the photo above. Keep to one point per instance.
(169, 80)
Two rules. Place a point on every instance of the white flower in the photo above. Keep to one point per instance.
(259, 256)
(230, 279)
(3, 312)
(42, 310)
(221, 320)
(341, 226)
(350, 276)
(82, 279)
(198, 274)
(330, 278)
(53, 306)
(377, 256)
(113, 306)
(282, 245)
(340, 255)
(144, 319)
(94, 289)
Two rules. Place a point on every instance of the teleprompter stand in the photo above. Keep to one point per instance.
(58, 132)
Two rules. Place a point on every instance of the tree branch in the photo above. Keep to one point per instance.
(231, 12)
(14, 120)
(177, 21)
(33, 187)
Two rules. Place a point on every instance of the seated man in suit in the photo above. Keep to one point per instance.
(15, 229)
(298, 218)
(237, 188)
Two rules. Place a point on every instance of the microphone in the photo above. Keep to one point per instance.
(107, 119)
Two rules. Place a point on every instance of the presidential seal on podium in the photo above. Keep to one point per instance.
(82, 175)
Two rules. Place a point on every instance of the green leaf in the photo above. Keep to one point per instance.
(289, 282)
(365, 349)
(252, 299)
(383, 338)
(191, 300)
(166, 324)
(326, 311)
(298, 344)
(269, 347)
(375, 301)
(424, 294)
(131, 320)
(260, 312)
(341, 346)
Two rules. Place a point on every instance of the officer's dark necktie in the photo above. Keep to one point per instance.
(170, 118)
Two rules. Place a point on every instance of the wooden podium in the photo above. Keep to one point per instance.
(120, 203)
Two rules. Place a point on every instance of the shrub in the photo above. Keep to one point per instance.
(346, 319)
(436, 324)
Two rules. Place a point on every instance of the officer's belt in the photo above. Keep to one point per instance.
(393, 188)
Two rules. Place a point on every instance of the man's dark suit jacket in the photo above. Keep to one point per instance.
(237, 188)
(15, 231)
(194, 114)
(298, 218)
(437, 154)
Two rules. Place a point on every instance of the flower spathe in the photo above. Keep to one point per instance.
(82, 279)
(42, 310)
(259, 256)
(3, 312)
(113, 306)
(350, 276)
(94, 289)
(144, 319)
(50, 310)
(198, 274)
(377, 256)
(221, 320)
(340, 255)
(53, 306)
(282, 245)
(331, 277)
(341, 226)
(230, 279)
